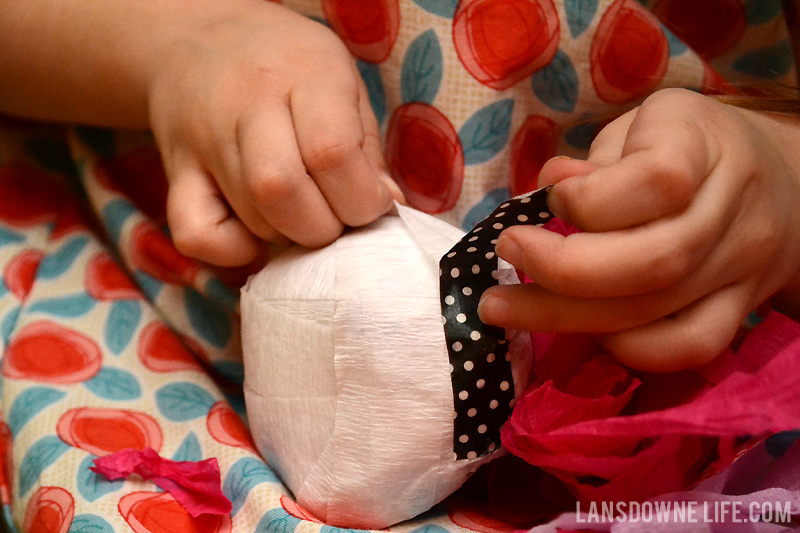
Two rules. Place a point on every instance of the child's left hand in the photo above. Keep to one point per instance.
(691, 216)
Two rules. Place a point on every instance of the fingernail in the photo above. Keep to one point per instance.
(554, 201)
(508, 248)
(493, 309)
(397, 194)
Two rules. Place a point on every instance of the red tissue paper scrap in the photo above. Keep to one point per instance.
(194, 485)
(614, 434)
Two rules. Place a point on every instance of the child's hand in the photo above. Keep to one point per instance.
(692, 219)
(266, 132)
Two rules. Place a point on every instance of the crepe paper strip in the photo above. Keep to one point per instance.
(194, 485)
(606, 443)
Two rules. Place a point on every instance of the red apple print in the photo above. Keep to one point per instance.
(20, 272)
(225, 426)
(710, 28)
(154, 253)
(500, 42)
(50, 510)
(103, 431)
(425, 156)
(294, 509)
(158, 512)
(368, 27)
(105, 280)
(71, 219)
(629, 53)
(48, 352)
(533, 145)
(139, 175)
(6, 463)
(472, 516)
(161, 350)
(28, 196)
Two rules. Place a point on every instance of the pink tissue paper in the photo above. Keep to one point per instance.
(194, 485)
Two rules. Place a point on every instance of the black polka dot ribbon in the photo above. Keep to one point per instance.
(483, 387)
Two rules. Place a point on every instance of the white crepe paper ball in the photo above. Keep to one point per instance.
(347, 374)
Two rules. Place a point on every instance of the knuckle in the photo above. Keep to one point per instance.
(271, 185)
(667, 267)
(190, 241)
(671, 178)
(675, 97)
(328, 151)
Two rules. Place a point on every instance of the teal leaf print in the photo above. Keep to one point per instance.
(189, 450)
(422, 69)
(430, 528)
(371, 75)
(39, 456)
(442, 8)
(581, 135)
(767, 63)
(114, 215)
(114, 384)
(69, 306)
(52, 154)
(236, 401)
(93, 486)
(28, 404)
(101, 140)
(231, 370)
(245, 474)
(149, 285)
(9, 519)
(485, 207)
(183, 401)
(579, 15)
(221, 294)
(90, 523)
(277, 521)
(56, 263)
(761, 11)
(556, 85)
(8, 236)
(676, 46)
(123, 320)
(485, 133)
(8, 324)
(332, 529)
(3, 288)
(208, 320)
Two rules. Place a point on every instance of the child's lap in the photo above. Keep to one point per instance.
(113, 340)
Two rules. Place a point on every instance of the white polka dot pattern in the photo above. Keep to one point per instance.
(483, 393)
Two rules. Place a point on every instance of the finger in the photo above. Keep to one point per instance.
(620, 263)
(562, 167)
(690, 338)
(275, 189)
(606, 147)
(331, 137)
(373, 149)
(201, 224)
(664, 161)
(530, 307)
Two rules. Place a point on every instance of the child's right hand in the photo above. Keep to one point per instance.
(266, 132)
(690, 219)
